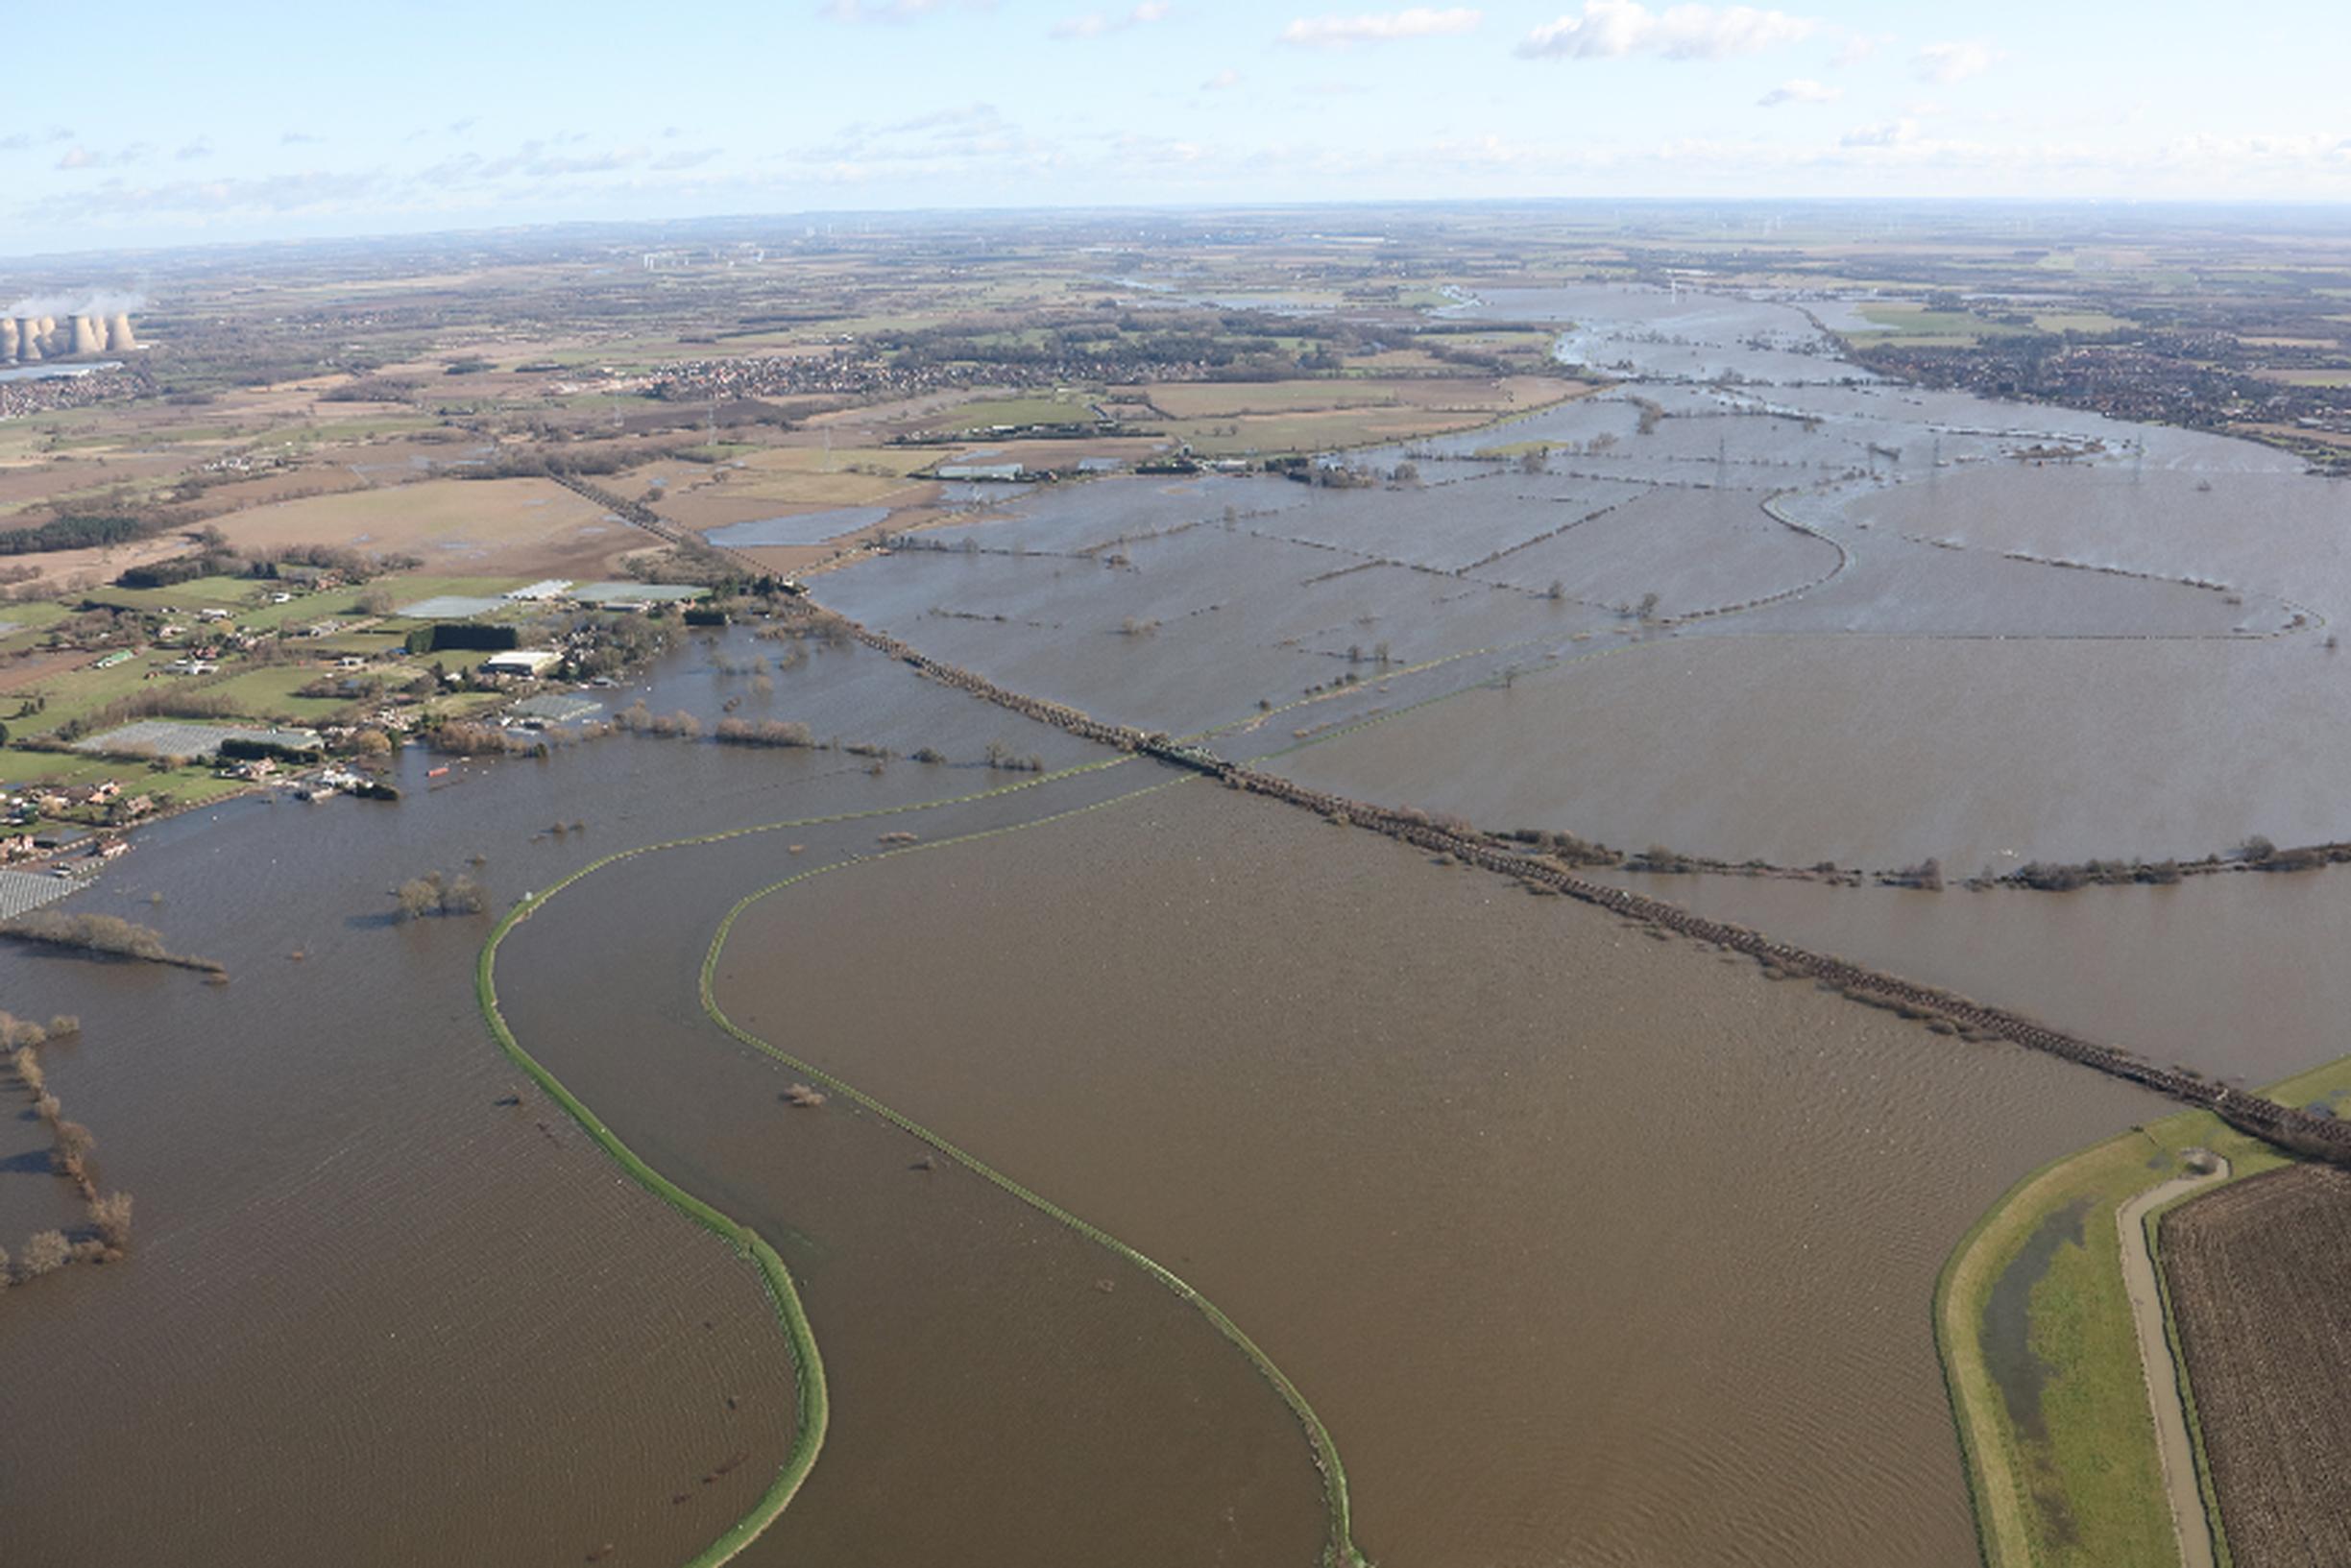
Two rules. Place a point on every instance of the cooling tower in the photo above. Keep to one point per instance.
(85, 338)
(47, 326)
(28, 340)
(119, 335)
(7, 337)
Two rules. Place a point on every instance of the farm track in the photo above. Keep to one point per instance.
(2173, 1444)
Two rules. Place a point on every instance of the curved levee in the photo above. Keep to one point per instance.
(1340, 1550)
(808, 1366)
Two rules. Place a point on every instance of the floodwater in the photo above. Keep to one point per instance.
(1589, 1248)
(371, 1312)
(1985, 753)
(1035, 1392)
(370, 1302)
(2238, 974)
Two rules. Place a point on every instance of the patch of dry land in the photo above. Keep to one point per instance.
(2260, 1275)
(1220, 418)
(484, 528)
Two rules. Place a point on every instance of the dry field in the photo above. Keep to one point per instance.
(480, 527)
(1227, 399)
(1226, 418)
(2260, 1275)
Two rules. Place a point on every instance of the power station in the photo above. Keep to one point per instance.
(28, 337)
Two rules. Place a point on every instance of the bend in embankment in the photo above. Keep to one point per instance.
(2088, 1489)
(807, 1365)
(815, 1413)
(1340, 1550)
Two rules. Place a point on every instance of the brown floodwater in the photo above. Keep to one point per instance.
(2239, 975)
(1589, 1248)
(374, 1309)
(1883, 751)
(1002, 1390)
(371, 1313)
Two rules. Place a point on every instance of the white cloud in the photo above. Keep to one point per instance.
(1948, 62)
(1889, 133)
(77, 157)
(1858, 47)
(1378, 27)
(1094, 23)
(1801, 91)
(201, 147)
(849, 12)
(1611, 29)
(1225, 80)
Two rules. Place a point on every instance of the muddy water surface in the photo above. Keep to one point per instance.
(2238, 976)
(384, 1303)
(1590, 1247)
(1002, 1389)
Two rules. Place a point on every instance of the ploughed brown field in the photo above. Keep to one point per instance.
(2261, 1283)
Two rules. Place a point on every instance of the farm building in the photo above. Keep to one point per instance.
(522, 661)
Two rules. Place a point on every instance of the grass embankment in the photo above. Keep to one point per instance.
(808, 1365)
(809, 1371)
(2087, 1491)
(1340, 1549)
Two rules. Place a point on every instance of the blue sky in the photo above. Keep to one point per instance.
(258, 119)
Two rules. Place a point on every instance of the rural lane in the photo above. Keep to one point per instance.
(2160, 1372)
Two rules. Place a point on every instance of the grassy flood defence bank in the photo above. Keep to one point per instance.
(808, 1365)
(2041, 1358)
(813, 1395)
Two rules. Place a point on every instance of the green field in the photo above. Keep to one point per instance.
(269, 692)
(1071, 408)
(2088, 1492)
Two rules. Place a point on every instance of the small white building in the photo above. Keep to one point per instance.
(532, 661)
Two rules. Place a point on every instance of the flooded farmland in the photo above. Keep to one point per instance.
(1587, 1246)
(1461, 1160)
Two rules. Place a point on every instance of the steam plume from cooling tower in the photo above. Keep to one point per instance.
(93, 322)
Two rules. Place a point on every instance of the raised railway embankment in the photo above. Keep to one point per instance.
(2289, 1128)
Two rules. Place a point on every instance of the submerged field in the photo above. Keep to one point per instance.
(1457, 1169)
(1577, 1242)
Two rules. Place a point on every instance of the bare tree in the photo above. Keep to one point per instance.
(43, 1253)
(111, 1214)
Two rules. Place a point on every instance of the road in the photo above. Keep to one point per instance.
(2161, 1374)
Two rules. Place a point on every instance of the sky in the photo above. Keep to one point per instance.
(150, 124)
